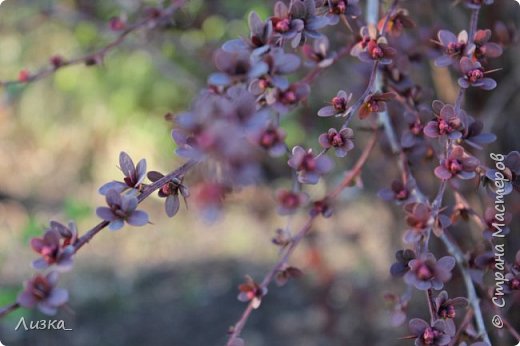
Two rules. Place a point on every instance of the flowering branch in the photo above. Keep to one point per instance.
(296, 239)
(154, 17)
(87, 237)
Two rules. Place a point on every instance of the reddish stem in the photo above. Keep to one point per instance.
(100, 54)
(296, 239)
(147, 191)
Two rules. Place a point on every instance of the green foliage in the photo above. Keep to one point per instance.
(76, 210)
(33, 228)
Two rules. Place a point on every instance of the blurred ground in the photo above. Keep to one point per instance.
(174, 282)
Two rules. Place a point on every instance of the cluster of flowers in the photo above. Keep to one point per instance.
(237, 116)
(460, 132)
(58, 244)
(239, 112)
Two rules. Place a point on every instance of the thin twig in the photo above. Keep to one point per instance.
(431, 306)
(98, 56)
(295, 241)
(474, 300)
(8, 309)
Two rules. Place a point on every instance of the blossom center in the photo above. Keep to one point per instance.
(444, 127)
(339, 103)
(339, 7)
(401, 194)
(289, 97)
(429, 336)
(455, 47)
(268, 139)
(40, 290)
(475, 75)
(447, 312)
(290, 201)
(263, 84)
(308, 163)
(455, 166)
(515, 284)
(373, 106)
(336, 140)
(416, 128)
(424, 272)
(282, 25)
(377, 53)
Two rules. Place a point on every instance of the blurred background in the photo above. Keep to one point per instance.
(175, 282)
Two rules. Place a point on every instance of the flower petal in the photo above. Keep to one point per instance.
(171, 205)
(58, 297)
(126, 164)
(138, 218)
(105, 213)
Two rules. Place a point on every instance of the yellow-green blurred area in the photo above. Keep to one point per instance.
(174, 282)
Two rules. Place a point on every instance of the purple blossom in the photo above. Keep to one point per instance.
(288, 272)
(322, 207)
(41, 292)
(305, 10)
(318, 52)
(454, 47)
(121, 208)
(511, 173)
(474, 75)
(398, 192)
(282, 237)
(457, 164)
(170, 191)
(218, 131)
(426, 335)
(513, 282)
(446, 310)
(336, 9)
(281, 99)
(426, 272)
(447, 122)
(418, 217)
(260, 37)
(297, 22)
(338, 105)
(413, 135)
(341, 141)
(403, 257)
(284, 26)
(279, 64)
(308, 166)
(375, 103)
(272, 139)
(289, 201)
(473, 134)
(236, 66)
(397, 22)
(251, 291)
(56, 247)
(134, 176)
(372, 47)
(485, 49)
